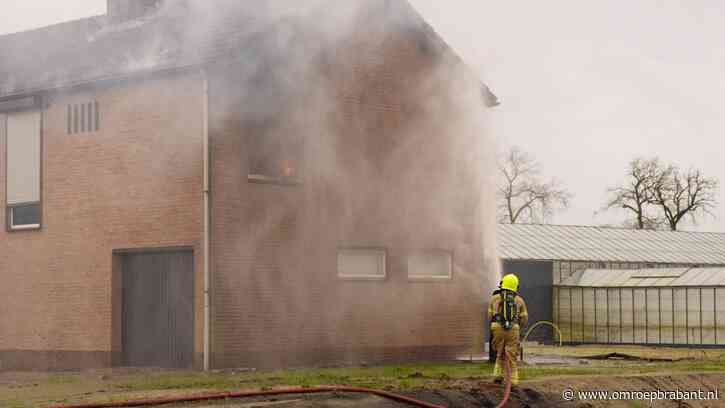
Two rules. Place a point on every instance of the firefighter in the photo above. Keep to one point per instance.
(507, 314)
(491, 349)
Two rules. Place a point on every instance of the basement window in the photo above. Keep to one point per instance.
(430, 265)
(24, 217)
(23, 143)
(361, 263)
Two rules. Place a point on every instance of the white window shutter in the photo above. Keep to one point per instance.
(23, 157)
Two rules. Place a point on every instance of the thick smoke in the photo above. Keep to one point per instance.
(396, 154)
(411, 169)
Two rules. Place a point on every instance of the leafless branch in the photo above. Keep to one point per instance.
(685, 193)
(661, 195)
(636, 194)
(522, 195)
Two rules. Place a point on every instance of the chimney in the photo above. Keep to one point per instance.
(124, 10)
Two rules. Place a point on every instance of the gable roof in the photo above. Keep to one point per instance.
(603, 244)
(94, 49)
(175, 37)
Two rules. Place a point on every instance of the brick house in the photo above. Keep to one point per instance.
(197, 186)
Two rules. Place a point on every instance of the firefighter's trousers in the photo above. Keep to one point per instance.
(506, 344)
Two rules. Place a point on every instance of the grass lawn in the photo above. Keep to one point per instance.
(43, 389)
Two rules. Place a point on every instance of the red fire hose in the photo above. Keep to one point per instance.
(507, 379)
(225, 395)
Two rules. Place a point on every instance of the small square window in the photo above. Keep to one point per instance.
(24, 217)
(361, 263)
(430, 265)
(274, 159)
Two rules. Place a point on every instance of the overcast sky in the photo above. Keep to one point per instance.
(585, 85)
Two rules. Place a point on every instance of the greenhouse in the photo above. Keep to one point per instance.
(678, 306)
(544, 256)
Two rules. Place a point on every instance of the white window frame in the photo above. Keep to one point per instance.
(21, 227)
(26, 105)
(382, 263)
(413, 277)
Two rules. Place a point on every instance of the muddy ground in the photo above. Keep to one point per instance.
(489, 396)
(546, 373)
(537, 394)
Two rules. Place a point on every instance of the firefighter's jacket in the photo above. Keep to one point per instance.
(494, 306)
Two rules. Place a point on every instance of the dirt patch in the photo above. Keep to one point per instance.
(629, 357)
(486, 394)
(483, 395)
(658, 352)
(683, 382)
(552, 360)
(545, 374)
(339, 400)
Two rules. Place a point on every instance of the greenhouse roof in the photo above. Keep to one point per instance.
(656, 277)
(607, 244)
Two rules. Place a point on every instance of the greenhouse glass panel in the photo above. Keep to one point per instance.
(693, 316)
(707, 299)
(576, 312)
(588, 317)
(565, 313)
(666, 317)
(627, 315)
(640, 332)
(600, 311)
(680, 316)
(615, 333)
(653, 315)
(720, 315)
(662, 304)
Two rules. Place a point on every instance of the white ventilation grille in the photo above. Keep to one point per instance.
(83, 117)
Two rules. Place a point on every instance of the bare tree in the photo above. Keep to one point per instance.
(637, 194)
(522, 194)
(680, 194)
(661, 195)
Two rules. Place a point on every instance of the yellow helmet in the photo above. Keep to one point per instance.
(510, 282)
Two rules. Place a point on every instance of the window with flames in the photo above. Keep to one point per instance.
(275, 152)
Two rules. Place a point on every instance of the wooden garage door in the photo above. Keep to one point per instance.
(158, 309)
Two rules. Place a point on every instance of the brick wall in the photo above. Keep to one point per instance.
(390, 161)
(134, 184)
(387, 164)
